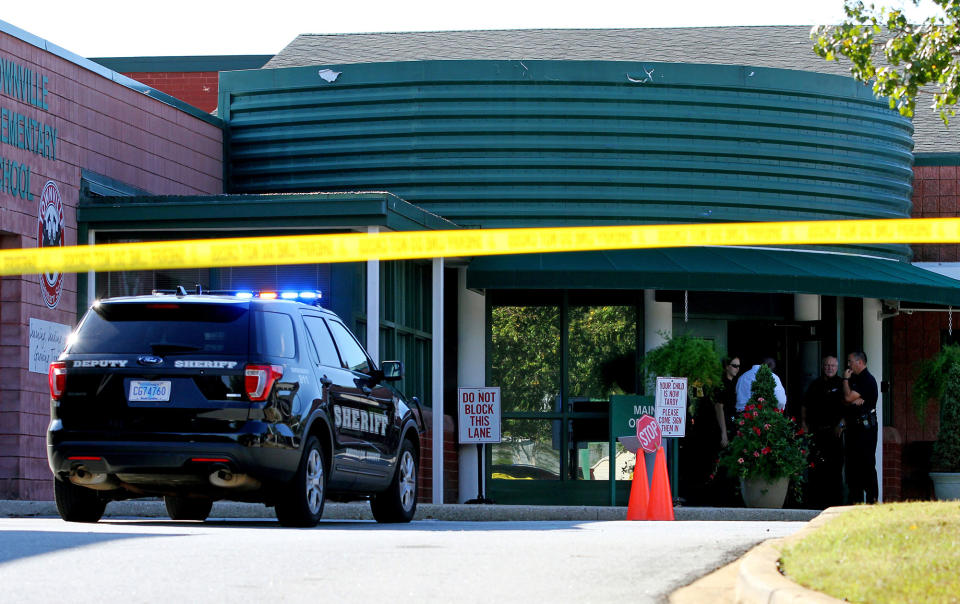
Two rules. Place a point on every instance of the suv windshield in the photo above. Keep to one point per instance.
(163, 328)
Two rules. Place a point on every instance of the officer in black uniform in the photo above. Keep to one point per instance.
(860, 393)
(821, 416)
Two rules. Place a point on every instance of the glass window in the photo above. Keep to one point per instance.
(323, 341)
(275, 337)
(530, 450)
(603, 351)
(163, 327)
(525, 356)
(350, 350)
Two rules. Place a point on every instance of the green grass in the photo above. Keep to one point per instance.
(900, 552)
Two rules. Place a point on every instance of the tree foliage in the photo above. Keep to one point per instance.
(899, 58)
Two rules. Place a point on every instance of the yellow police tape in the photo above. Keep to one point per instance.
(353, 247)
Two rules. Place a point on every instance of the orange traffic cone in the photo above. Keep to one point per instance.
(639, 491)
(661, 500)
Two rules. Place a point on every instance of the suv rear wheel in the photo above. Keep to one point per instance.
(302, 503)
(186, 508)
(399, 502)
(77, 504)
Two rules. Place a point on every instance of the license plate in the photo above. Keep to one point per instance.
(149, 391)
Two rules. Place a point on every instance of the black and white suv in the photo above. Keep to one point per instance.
(197, 398)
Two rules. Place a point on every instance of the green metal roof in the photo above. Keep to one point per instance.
(717, 269)
(263, 212)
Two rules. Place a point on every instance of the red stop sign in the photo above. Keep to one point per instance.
(648, 432)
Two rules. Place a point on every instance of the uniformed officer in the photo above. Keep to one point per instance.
(821, 415)
(860, 393)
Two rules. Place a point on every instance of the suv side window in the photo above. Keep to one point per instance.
(323, 341)
(275, 335)
(353, 355)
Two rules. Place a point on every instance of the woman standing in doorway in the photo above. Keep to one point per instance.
(725, 404)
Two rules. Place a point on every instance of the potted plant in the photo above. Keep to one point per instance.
(939, 378)
(769, 449)
(690, 357)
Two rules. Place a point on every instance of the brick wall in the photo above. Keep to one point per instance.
(451, 476)
(103, 127)
(935, 195)
(892, 464)
(197, 88)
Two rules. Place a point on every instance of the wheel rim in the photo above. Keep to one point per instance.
(408, 480)
(314, 481)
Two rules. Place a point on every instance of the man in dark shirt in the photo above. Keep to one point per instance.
(860, 394)
(821, 415)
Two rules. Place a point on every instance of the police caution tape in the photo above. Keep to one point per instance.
(354, 247)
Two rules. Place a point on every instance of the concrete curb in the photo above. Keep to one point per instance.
(759, 578)
(448, 512)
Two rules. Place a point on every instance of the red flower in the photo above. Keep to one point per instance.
(760, 399)
(766, 426)
(749, 407)
(741, 422)
(740, 460)
(800, 432)
(811, 464)
(756, 454)
(765, 450)
(756, 430)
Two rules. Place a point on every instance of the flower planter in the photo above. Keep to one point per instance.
(761, 493)
(946, 485)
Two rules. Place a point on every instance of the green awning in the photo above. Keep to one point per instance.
(728, 269)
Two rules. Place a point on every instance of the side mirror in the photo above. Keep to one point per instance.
(391, 370)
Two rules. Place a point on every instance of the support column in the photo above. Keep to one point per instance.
(437, 379)
(373, 304)
(471, 371)
(91, 275)
(806, 307)
(657, 320)
(873, 347)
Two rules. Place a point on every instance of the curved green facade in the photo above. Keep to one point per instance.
(533, 143)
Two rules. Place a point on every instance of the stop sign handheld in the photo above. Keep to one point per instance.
(648, 432)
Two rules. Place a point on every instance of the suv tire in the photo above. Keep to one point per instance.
(77, 504)
(399, 502)
(302, 502)
(187, 508)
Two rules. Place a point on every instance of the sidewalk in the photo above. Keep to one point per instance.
(425, 511)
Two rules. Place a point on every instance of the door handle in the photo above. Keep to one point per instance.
(325, 380)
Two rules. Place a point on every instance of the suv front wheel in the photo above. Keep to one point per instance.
(399, 502)
(302, 503)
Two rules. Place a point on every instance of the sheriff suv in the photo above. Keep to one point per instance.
(241, 396)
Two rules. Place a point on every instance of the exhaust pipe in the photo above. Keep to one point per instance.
(99, 481)
(226, 479)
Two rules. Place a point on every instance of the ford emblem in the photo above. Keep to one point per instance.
(149, 360)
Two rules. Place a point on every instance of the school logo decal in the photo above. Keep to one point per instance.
(50, 234)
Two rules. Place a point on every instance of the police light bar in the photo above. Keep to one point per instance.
(305, 296)
(309, 297)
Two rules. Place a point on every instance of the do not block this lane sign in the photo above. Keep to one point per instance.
(479, 415)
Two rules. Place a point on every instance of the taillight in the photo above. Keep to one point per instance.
(259, 379)
(57, 379)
